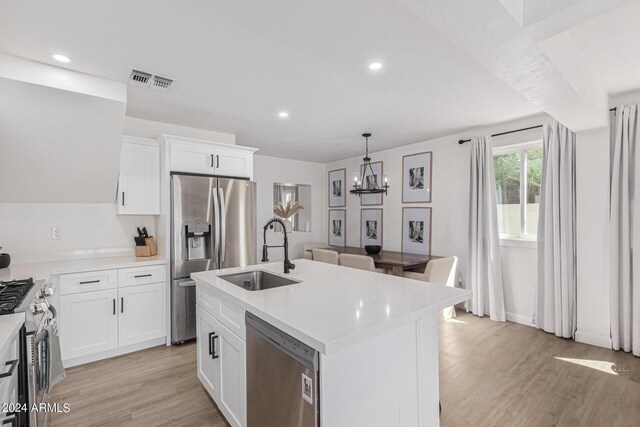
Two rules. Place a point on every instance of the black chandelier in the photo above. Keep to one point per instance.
(370, 186)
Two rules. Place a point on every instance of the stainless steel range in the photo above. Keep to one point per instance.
(31, 298)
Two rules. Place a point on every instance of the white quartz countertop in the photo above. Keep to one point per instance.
(334, 307)
(44, 270)
(10, 324)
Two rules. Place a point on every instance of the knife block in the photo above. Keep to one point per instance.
(149, 249)
(151, 244)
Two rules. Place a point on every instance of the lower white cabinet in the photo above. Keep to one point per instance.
(102, 323)
(142, 313)
(88, 323)
(222, 366)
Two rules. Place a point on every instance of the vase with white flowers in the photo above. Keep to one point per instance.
(286, 211)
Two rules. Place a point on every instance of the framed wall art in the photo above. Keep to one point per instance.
(370, 227)
(416, 177)
(416, 230)
(337, 227)
(337, 187)
(371, 180)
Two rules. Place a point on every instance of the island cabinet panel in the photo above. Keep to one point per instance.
(377, 373)
(222, 354)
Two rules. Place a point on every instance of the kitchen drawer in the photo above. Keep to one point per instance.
(206, 299)
(232, 317)
(226, 312)
(142, 275)
(9, 384)
(89, 281)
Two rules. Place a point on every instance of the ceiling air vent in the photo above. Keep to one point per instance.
(139, 77)
(149, 80)
(161, 82)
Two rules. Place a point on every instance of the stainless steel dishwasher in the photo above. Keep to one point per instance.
(282, 378)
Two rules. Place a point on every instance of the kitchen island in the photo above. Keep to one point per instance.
(376, 334)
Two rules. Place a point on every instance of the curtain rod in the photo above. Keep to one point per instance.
(462, 141)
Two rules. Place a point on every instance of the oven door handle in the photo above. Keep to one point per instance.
(13, 364)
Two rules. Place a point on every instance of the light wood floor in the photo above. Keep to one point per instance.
(491, 374)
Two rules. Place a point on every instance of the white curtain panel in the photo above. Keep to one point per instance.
(624, 228)
(555, 300)
(484, 272)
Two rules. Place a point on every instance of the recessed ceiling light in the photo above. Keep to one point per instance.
(375, 66)
(283, 114)
(60, 58)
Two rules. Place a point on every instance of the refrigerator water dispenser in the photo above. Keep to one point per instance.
(198, 241)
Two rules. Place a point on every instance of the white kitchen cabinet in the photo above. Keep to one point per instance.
(208, 158)
(139, 181)
(207, 333)
(221, 359)
(233, 389)
(192, 158)
(88, 323)
(233, 162)
(106, 313)
(142, 313)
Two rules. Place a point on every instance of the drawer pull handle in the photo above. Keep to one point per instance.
(121, 304)
(212, 345)
(114, 306)
(89, 282)
(13, 364)
(142, 275)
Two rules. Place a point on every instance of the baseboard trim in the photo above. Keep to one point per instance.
(520, 318)
(68, 363)
(597, 340)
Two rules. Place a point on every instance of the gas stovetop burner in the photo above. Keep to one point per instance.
(12, 293)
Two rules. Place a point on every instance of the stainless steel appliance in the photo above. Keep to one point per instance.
(213, 225)
(31, 298)
(282, 378)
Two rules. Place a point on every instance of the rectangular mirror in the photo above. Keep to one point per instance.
(285, 192)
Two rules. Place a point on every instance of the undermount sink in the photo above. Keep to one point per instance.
(257, 280)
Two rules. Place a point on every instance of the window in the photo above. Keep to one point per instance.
(518, 170)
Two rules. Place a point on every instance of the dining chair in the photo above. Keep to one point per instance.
(325, 255)
(441, 271)
(361, 262)
(306, 247)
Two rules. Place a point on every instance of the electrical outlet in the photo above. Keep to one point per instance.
(55, 233)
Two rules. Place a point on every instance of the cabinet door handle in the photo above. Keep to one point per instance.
(142, 275)
(114, 306)
(121, 304)
(89, 281)
(13, 364)
(11, 419)
(217, 161)
(212, 345)
(211, 156)
(123, 198)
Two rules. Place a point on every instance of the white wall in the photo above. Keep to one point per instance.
(267, 171)
(150, 129)
(25, 228)
(450, 206)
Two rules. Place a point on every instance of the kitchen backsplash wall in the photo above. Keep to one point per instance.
(26, 228)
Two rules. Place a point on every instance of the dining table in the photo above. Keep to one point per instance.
(396, 262)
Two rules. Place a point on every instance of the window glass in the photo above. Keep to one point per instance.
(534, 173)
(507, 173)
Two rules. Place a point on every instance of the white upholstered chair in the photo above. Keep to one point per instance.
(441, 271)
(361, 262)
(325, 255)
(306, 247)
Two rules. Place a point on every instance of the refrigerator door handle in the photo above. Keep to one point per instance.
(216, 227)
(223, 227)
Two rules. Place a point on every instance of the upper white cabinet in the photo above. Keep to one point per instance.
(139, 182)
(208, 158)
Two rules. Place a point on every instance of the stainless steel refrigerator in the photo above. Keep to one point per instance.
(213, 225)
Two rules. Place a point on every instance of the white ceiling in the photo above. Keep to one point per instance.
(237, 63)
(610, 44)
